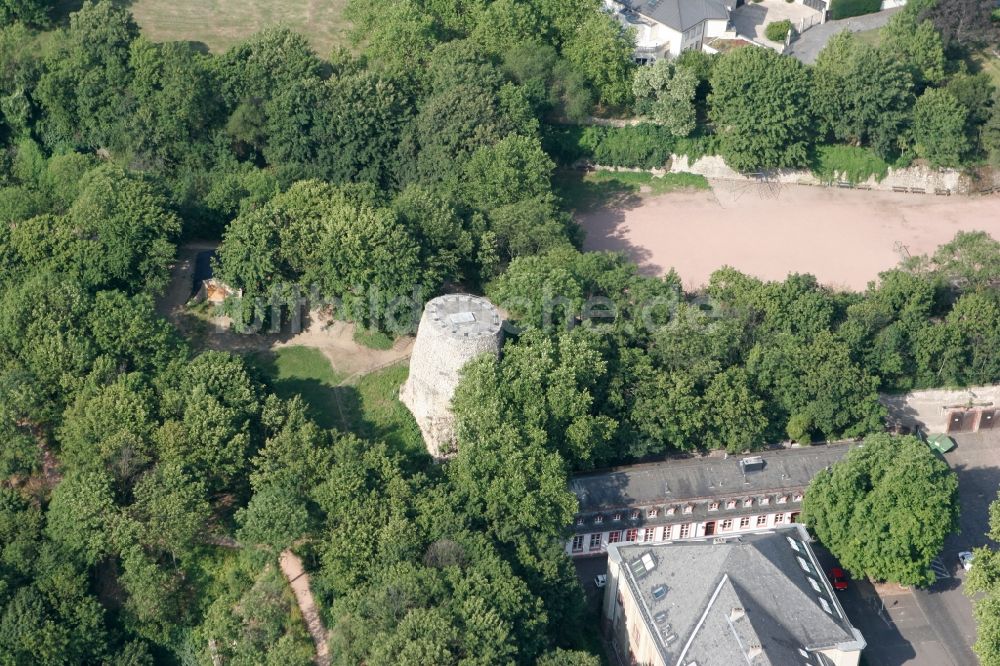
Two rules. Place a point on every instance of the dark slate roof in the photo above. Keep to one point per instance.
(725, 598)
(707, 477)
(681, 15)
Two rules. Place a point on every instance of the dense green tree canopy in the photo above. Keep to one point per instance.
(861, 93)
(939, 122)
(760, 107)
(892, 487)
(146, 485)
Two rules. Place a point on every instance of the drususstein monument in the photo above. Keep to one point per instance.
(453, 330)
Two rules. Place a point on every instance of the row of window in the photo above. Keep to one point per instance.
(648, 533)
(653, 512)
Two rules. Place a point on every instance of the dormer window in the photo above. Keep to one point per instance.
(713, 506)
(730, 504)
(688, 508)
(652, 513)
(748, 502)
(579, 520)
(617, 516)
(670, 510)
(598, 519)
(634, 515)
(782, 499)
(797, 497)
(764, 501)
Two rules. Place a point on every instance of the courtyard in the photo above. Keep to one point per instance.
(752, 18)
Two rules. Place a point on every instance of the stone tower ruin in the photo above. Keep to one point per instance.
(454, 329)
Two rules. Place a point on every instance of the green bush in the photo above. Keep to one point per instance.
(778, 30)
(697, 146)
(562, 143)
(841, 9)
(852, 163)
(644, 146)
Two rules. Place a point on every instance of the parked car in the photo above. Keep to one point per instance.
(600, 580)
(965, 559)
(838, 578)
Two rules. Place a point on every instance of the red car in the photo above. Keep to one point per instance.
(838, 578)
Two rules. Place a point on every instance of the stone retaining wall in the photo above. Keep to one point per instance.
(910, 179)
(930, 409)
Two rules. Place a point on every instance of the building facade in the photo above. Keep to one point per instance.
(665, 28)
(694, 498)
(761, 599)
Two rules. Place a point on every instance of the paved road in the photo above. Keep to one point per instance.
(812, 41)
(976, 461)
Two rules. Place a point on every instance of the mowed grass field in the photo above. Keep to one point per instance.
(218, 24)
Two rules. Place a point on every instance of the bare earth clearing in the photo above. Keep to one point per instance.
(334, 338)
(843, 237)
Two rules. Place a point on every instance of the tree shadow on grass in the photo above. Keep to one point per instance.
(342, 407)
(581, 195)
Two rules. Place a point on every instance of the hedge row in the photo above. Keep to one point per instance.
(642, 146)
(841, 9)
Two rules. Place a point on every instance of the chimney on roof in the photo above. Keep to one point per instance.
(736, 613)
(755, 651)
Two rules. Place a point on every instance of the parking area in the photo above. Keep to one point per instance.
(751, 19)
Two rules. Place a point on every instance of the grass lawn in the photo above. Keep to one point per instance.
(218, 24)
(369, 409)
(870, 37)
(378, 414)
(985, 60)
(306, 372)
(584, 191)
(372, 339)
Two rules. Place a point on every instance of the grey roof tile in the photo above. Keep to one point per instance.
(724, 598)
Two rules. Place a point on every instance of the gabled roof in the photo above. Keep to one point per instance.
(760, 599)
(681, 15)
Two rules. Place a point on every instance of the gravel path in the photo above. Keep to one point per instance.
(812, 41)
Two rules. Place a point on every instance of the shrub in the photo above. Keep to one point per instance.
(562, 143)
(644, 146)
(852, 163)
(778, 30)
(841, 9)
(697, 146)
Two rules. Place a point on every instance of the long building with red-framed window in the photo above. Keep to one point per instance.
(694, 498)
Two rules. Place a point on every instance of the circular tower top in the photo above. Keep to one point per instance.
(464, 316)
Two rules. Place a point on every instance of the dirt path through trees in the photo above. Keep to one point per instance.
(843, 237)
(297, 577)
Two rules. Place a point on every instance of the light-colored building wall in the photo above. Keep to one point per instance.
(714, 28)
(841, 657)
(932, 410)
(630, 636)
(598, 540)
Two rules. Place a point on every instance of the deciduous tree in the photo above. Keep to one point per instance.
(885, 509)
(760, 107)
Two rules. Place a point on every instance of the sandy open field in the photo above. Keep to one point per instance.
(843, 237)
